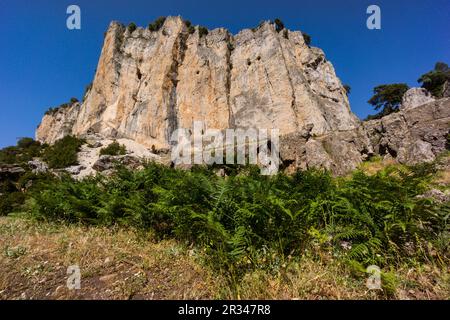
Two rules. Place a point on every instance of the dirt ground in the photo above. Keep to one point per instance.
(125, 264)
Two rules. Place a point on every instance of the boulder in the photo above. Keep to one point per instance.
(107, 162)
(415, 97)
(38, 166)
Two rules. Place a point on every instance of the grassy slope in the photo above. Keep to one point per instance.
(126, 264)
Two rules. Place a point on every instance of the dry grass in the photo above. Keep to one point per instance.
(125, 264)
(114, 264)
(377, 164)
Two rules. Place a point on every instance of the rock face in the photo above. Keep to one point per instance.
(415, 97)
(58, 123)
(149, 83)
(412, 135)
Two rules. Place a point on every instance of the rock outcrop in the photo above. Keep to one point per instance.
(415, 97)
(149, 83)
(412, 135)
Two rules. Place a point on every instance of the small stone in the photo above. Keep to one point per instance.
(108, 278)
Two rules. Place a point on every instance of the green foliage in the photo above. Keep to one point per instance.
(52, 111)
(259, 26)
(202, 31)
(279, 25)
(157, 24)
(114, 149)
(63, 153)
(131, 27)
(347, 88)
(307, 38)
(190, 27)
(25, 151)
(434, 80)
(388, 97)
(251, 221)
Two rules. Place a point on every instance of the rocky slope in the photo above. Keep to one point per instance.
(149, 83)
(415, 134)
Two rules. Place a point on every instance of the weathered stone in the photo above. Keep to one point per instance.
(75, 170)
(38, 166)
(412, 135)
(57, 124)
(437, 195)
(107, 162)
(415, 97)
(149, 83)
(10, 170)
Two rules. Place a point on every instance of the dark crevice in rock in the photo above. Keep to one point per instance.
(178, 54)
(315, 63)
(387, 150)
(230, 48)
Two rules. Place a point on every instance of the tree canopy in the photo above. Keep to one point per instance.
(434, 80)
(388, 97)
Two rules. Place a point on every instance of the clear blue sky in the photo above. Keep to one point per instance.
(43, 64)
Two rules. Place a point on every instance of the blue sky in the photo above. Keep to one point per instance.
(43, 64)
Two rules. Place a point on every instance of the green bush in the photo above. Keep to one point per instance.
(251, 221)
(11, 202)
(157, 24)
(25, 151)
(347, 89)
(307, 38)
(434, 80)
(202, 31)
(131, 27)
(190, 27)
(113, 149)
(63, 153)
(388, 97)
(279, 25)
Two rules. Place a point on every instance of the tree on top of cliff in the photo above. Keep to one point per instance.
(157, 24)
(279, 25)
(388, 97)
(131, 27)
(307, 38)
(434, 80)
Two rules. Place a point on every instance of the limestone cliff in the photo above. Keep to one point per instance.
(149, 83)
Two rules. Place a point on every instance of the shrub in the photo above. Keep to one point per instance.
(249, 221)
(279, 25)
(347, 89)
(157, 24)
(25, 151)
(63, 153)
(73, 100)
(307, 38)
(434, 80)
(131, 27)
(388, 97)
(114, 149)
(202, 31)
(190, 27)
(11, 202)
